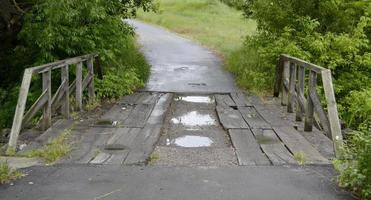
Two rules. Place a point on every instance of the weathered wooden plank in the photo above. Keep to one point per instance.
(58, 96)
(247, 149)
(143, 145)
(285, 75)
(91, 93)
(123, 136)
(308, 122)
(47, 111)
(272, 146)
(272, 114)
(292, 93)
(148, 98)
(117, 157)
(60, 63)
(159, 111)
(230, 118)
(66, 97)
(320, 112)
(298, 144)
(118, 113)
(239, 99)
(303, 63)
(265, 136)
(224, 100)
(132, 99)
(319, 141)
(78, 94)
(19, 111)
(91, 142)
(39, 103)
(139, 115)
(278, 77)
(253, 118)
(333, 116)
(300, 108)
(100, 158)
(278, 154)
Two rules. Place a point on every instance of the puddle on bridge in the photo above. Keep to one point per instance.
(196, 99)
(190, 141)
(194, 118)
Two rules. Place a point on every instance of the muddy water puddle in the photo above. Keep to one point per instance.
(190, 141)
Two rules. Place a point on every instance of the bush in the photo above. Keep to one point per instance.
(357, 108)
(355, 168)
(58, 29)
(332, 34)
(114, 86)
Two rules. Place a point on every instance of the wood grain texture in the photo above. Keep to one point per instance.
(247, 149)
(297, 144)
(230, 118)
(253, 118)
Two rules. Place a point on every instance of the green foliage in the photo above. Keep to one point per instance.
(58, 29)
(332, 34)
(300, 157)
(54, 150)
(357, 108)
(8, 174)
(114, 86)
(209, 22)
(355, 168)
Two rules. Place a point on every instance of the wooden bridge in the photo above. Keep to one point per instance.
(261, 132)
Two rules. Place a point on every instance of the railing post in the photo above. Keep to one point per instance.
(285, 75)
(47, 111)
(300, 92)
(91, 93)
(292, 83)
(278, 78)
(79, 85)
(333, 115)
(19, 111)
(66, 88)
(308, 123)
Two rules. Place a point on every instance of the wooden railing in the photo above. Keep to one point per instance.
(48, 102)
(304, 99)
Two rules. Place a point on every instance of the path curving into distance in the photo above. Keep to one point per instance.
(180, 65)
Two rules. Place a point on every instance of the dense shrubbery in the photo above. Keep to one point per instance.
(58, 29)
(333, 34)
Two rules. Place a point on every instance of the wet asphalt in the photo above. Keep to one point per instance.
(182, 66)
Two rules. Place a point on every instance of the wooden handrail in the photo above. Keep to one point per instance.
(48, 102)
(290, 84)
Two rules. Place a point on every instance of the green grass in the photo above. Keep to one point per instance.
(8, 174)
(209, 22)
(54, 150)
